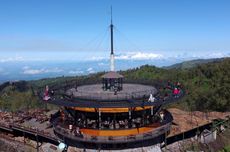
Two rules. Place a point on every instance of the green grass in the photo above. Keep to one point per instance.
(226, 149)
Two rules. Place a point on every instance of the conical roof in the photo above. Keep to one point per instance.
(112, 75)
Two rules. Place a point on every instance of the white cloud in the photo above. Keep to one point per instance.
(102, 64)
(12, 59)
(33, 71)
(97, 58)
(159, 56)
(216, 55)
(189, 56)
(130, 56)
(139, 56)
(20, 59)
(28, 70)
(76, 72)
(90, 70)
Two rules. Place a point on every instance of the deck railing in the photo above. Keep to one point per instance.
(65, 134)
(110, 96)
(155, 132)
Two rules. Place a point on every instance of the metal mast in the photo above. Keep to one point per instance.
(112, 66)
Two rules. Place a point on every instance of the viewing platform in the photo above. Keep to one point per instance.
(96, 93)
(110, 136)
(123, 99)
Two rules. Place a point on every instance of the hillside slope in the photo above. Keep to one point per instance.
(193, 63)
(207, 85)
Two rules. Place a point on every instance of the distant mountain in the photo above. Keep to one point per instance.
(32, 70)
(192, 63)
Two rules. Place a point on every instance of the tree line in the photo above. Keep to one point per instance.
(207, 86)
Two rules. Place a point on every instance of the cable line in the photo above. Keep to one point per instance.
(126, 39)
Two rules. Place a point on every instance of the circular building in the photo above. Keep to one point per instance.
(111, 115)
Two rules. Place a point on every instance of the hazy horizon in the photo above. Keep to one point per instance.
(54, 38)
(34, 70)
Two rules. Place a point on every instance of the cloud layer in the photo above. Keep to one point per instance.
(76, 72)
(29, 71)
(11, 59)
(139, 56)
(158, 56)
(122, 56)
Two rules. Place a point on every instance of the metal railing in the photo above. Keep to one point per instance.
(110, 96)
(155, 132)
(112, 139)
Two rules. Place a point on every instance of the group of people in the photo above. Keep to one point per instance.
(109, 124)
(75, 131)
(171, 90)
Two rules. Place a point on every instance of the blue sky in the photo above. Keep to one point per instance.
(78, 29)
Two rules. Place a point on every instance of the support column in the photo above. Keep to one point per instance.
(151, 110)
(114, 121)
(99, 118)
(130, 114)
(143, 117)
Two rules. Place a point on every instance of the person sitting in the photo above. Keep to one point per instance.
(78, 132)
(178, 85)
(151, 98)
(52, 93)
(176, 92)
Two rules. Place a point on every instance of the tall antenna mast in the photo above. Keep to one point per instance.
(112, 67)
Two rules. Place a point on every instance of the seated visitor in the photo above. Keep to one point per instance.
(176, 92)
(77, 132)
(178, 85)
(162, 115)
(151, 98)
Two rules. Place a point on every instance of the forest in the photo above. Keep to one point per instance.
(207, 85)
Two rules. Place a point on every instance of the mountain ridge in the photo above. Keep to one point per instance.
(192, 63)
(207, 85)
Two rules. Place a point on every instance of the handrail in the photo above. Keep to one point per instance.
(114, 139)
(13, 126)
(119, 95)
(107, 96)
(72, 102)
(166, 125)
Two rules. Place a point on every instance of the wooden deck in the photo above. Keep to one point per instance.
(125, 132)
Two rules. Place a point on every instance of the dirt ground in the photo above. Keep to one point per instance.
(184, 120)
